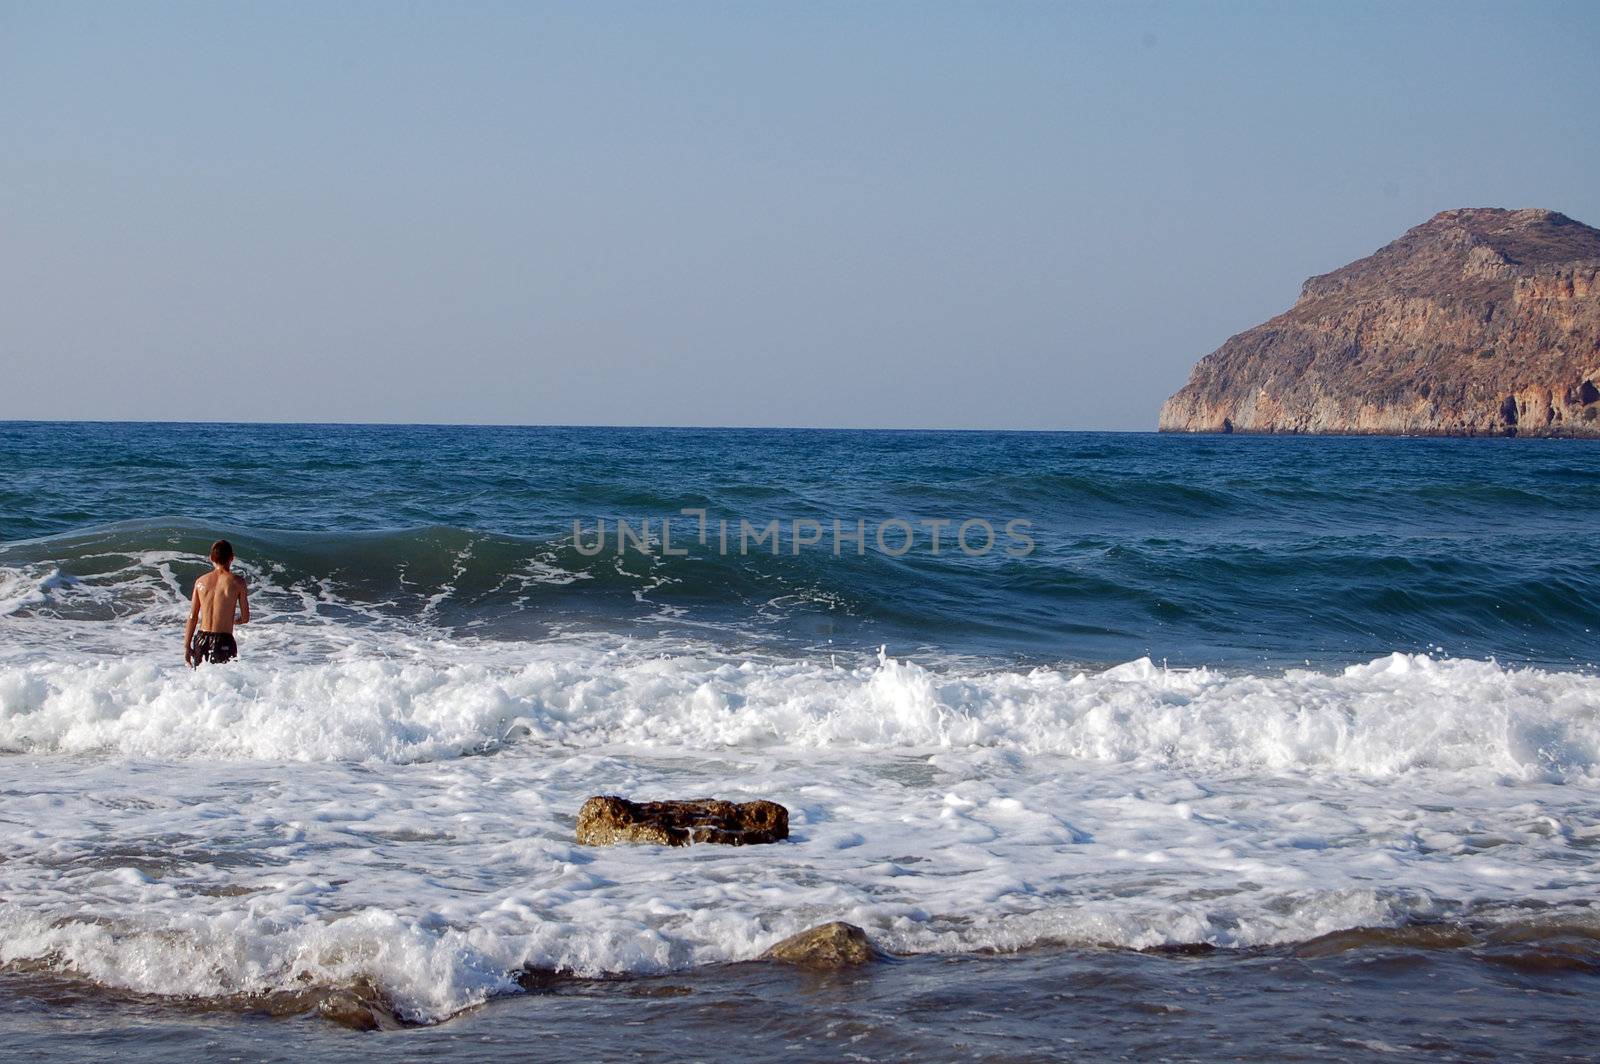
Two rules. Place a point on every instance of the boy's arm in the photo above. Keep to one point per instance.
(188, 629)
(244, 601)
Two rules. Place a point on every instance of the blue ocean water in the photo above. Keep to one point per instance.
(1191, 550)
(1273, 748)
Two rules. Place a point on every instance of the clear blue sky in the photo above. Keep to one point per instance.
(956, 215)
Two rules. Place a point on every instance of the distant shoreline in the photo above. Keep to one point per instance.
(1168, 432)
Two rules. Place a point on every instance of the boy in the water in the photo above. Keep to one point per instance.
(216, 596)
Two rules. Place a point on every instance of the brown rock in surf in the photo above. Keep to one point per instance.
(606, 820)
(829, 946)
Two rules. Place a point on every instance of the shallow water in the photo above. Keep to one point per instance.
(1328, 1000)
(1317, 720)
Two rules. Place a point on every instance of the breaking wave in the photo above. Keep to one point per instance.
(441, 700)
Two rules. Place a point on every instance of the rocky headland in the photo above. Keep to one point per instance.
(1478, 322)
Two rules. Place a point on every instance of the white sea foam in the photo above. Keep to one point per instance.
(315, 812)
(437, 700)
(438, 880)
(22, 587)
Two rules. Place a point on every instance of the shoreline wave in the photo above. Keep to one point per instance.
(373, 965)
(1381, 719)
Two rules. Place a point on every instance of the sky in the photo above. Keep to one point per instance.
(897, 215)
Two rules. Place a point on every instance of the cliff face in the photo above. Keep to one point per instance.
(1477, 322)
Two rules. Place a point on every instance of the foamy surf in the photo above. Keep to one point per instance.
(395, 822)
(1381, 719)
(426, 973)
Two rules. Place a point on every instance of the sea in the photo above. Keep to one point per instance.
(1119, 746)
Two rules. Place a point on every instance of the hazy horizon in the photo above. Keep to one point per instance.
(1031, 217)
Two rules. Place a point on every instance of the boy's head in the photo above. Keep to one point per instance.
(222, 553)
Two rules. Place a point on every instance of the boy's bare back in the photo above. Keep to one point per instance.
(218, 594)
(220, 601)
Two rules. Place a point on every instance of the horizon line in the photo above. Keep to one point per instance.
(559, 425)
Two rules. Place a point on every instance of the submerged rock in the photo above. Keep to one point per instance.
(833, 945)
(536, 980)
(606, 820)
(351, 1010)
(359, 1006)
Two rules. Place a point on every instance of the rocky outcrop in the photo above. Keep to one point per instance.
(606, 820)
(828, 946)
(1477, 322)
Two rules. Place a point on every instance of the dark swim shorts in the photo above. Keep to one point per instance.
(215, 647)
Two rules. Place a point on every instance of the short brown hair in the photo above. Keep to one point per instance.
(222, 552)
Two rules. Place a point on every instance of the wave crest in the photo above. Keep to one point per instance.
(1385, 718)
